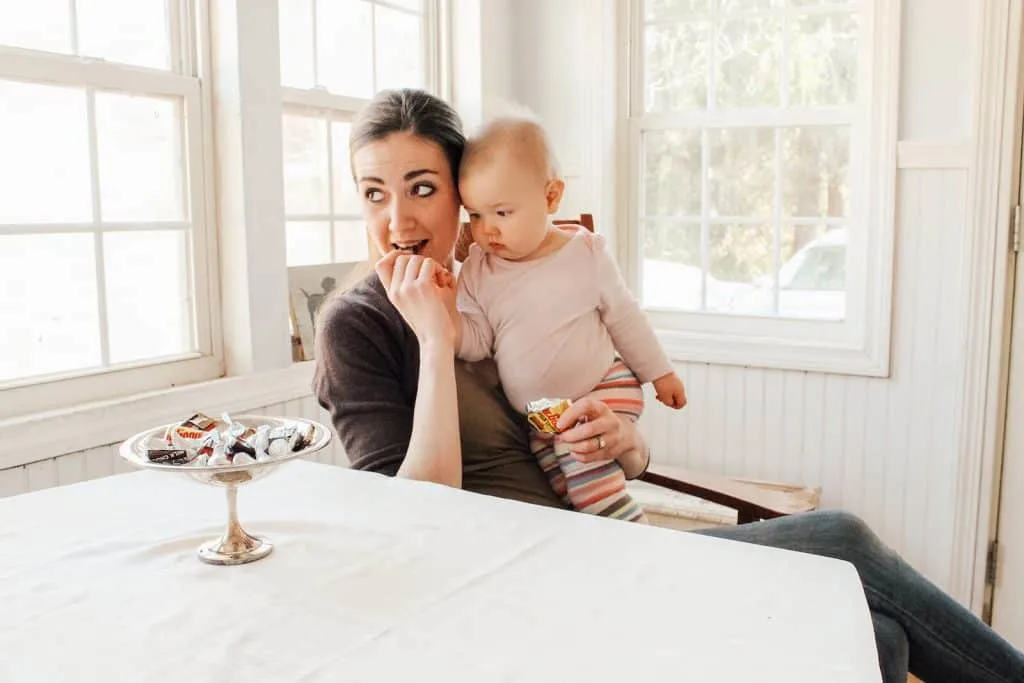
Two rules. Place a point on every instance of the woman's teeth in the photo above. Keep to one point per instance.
(410, 247)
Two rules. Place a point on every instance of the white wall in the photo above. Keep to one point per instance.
(884, 449)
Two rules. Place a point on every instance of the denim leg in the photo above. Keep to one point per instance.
(947, 642)
(893, 648)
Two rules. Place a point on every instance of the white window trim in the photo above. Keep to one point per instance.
(861, 344)
(319, 103)
(26, 396)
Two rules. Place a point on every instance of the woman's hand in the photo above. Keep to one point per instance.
(423, 292)
(594, 432)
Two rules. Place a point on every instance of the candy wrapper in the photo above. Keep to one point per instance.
(543, 416)
(190, 434)
(201, 441)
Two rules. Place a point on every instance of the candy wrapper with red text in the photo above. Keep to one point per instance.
(543, 416)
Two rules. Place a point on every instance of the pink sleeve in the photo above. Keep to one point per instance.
(630, 330)
(477, 335)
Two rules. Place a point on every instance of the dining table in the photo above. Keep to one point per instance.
(378, 579)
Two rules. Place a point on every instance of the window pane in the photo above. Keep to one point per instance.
(817, 3)
(672, 173)
(734, 6)
(44, 166)
(655, 10)
(399, 49)
(308, 242)
(296, 40)
(129, 31)
(48, 304)
(140, 158)
(742, 171)
(812, 279)
(149, 310)
(305, 166)
(36, 24)
(747, 55)
(346, 199)
(741, 264)
(672, 265)
(676, 66)
(815, 168)
(416, 5)
(344, 47)
(350, 241)
(823, 60)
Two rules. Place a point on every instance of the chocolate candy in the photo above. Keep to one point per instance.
(235, 445)
(168, 456)
(202, 442)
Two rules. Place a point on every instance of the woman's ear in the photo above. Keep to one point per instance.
(553, 193)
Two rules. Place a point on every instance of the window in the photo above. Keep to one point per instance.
(334, 55)
(761, 234)
(103, 232)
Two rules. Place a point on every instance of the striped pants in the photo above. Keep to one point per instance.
(597, 488)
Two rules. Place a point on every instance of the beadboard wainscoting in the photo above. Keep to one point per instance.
(104, 460)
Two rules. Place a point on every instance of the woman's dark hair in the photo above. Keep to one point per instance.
(415, 111)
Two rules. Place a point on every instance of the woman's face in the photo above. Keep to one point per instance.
(408, 197)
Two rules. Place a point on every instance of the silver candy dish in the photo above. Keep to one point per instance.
(235, 546)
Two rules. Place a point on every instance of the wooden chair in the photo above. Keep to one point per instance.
(752, 500)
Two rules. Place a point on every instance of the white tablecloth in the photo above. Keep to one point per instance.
(374, 580)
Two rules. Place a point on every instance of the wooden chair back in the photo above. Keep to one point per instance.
(466, 237)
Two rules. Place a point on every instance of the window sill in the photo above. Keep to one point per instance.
(32, 438)
(773, 353)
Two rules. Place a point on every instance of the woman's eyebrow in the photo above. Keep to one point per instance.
(418, 172)
(408, 176)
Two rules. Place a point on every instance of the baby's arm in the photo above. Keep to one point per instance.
(632, 333)
(474, 338)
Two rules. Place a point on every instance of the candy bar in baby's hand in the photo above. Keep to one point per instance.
(543, 413)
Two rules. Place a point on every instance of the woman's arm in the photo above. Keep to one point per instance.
(434, 452)
(412, 285)
(388, 421)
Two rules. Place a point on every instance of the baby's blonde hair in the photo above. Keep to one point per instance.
(517, 133)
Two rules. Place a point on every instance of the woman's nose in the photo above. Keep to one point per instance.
(400, 214)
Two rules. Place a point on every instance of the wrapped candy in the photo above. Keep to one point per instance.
(242, 459)
(543, 416)
(201, 441)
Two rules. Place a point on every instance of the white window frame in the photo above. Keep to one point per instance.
(858, 345)
(318, 103)
(31, 395)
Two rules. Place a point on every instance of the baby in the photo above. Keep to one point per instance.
(551, 307)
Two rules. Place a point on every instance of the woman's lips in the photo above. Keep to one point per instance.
(411, 247)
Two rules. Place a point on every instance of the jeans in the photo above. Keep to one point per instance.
(918, 628)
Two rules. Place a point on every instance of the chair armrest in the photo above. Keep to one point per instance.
(752, 500)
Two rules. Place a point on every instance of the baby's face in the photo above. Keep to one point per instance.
(508, 207)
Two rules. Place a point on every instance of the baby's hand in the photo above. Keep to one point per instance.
(444, 278)
(669, 390)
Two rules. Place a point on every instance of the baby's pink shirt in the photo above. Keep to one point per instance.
(553, 325)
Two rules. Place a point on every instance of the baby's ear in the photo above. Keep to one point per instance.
(553, 194)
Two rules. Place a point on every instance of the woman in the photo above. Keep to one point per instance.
(387, 373)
